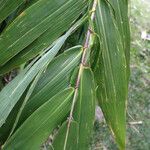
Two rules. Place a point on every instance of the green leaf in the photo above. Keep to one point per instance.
(43, 19)
(28, 94)
(10, 66)
(84, 116)
(72, 142)
(41, 123)
(110, 73)
(121, 17)
(7, 7)
(26, 4)
(54, 79)
(10, 95)
(60, 85)
(84, 112)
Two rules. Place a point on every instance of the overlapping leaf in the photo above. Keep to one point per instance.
(110, 72)
(10, 95)
(7, 7)
(25, 100)
(40, 44)
(34, 31)
(121, 16)
(43, 19)
(84, 114)
(54, 79)
(41, 123)
(72, 143)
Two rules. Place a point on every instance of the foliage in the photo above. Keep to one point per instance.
(138, 129)
(60, 80)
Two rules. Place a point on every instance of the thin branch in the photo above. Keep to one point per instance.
(82, 64)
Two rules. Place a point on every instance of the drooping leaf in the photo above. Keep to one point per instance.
(41, 123)
(62, 82)
(6, 128)
(43, 19)
(72, 142)
(54, 79)
(7, 7)
(19, 59)
(10, 95)
(28, 94)
(110, 73)
(84, 113)
(122, 21)
(109, 65)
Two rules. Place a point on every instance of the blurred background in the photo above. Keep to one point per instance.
(138, 114)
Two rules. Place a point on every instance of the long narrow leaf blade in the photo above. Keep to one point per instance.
(54, 79)
(83, 115)
(111, 73)
(41, 123)
(34, 21)
(84, 112)
(28, 94)
(122, 21)
(10, 95)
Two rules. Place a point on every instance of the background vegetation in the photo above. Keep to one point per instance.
(139, 92)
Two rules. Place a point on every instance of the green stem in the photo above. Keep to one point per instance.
(82, 64)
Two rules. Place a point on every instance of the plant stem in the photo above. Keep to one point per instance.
(82, 64)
